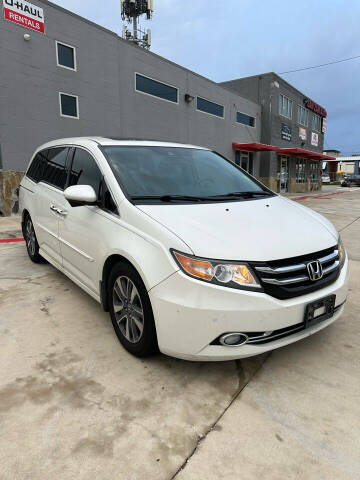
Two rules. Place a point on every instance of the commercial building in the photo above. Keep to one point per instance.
(349, 165)
(292, 133)
(63, 76)
(79, 79)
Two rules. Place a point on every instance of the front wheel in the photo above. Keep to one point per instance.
(131, 312)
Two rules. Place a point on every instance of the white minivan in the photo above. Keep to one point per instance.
(190, 254)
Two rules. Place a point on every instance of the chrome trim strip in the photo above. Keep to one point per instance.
(331, 268)
(332, 256)
(279, 270)
(285, 281)
(288, 332)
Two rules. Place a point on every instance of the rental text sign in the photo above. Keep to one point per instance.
(25, 14)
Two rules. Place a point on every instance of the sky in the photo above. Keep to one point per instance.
(237, 38)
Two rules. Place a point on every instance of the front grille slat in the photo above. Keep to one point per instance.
(285, 281)
(289, 278)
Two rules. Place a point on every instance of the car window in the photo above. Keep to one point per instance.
(38, 166)
(55, 172)
(157, 171)
(84, 171)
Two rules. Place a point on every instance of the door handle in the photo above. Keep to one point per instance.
(59, 211)
(63, 213)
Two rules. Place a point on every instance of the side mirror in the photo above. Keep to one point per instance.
(80, 195)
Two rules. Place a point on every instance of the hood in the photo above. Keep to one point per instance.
(255, 230)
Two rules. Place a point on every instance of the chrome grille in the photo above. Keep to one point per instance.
(290, 278)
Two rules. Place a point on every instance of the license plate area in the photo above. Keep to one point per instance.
(319, 311)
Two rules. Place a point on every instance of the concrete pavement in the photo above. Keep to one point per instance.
(75, 405)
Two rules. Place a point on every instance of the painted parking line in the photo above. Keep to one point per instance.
(11, 240)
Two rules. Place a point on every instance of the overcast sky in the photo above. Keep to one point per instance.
(228, 39)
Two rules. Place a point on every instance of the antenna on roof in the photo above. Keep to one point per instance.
(131, 10)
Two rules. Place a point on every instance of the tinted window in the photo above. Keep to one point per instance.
(68, 105)
(38, 166)
(55, 172)
(84, 171)
(157, 89)
(66, 56)
(245, 119)
(210, 107)
(157, 171)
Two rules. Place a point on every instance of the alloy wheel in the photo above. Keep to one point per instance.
(128, 309)
(30, 237)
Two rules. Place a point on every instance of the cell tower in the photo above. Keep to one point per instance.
(131, 10)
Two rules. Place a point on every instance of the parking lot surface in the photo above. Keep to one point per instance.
(75, 405)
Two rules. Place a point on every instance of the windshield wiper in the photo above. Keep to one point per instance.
(246, 194)
(170, 198)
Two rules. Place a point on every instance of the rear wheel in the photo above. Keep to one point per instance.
(131, 311)
(32, 245)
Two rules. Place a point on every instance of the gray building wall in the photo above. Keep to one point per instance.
(263, 90)
(30, 82)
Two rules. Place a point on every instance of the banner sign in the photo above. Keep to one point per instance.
(25, 14)
(315, 107)
(286, 132)
(314, 139)
(302, 133)
(324, 123)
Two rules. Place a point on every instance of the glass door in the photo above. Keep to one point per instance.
(283, 174)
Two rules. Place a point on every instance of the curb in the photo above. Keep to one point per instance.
(12, 240)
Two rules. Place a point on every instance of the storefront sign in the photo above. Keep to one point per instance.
(315, 107)
(286, 132)
(302, 133)
(25, 14)
(324, 124)
(314, 139)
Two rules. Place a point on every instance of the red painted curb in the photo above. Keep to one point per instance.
(12, 240)
(299, 199)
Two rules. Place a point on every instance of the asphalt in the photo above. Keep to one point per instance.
(75, 405)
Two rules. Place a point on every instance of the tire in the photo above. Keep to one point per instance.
(32, 245)
(130, 311)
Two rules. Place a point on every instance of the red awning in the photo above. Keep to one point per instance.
(254, 147)
(301, 152)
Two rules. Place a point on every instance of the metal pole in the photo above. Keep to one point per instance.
(135, 28)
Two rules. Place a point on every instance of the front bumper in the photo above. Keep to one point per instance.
(190, 314)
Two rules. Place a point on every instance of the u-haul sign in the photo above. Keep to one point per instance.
(25, 14)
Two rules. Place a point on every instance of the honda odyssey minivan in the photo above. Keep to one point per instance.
(190, 254)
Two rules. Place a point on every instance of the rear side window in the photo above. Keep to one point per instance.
(38, 166)
(55, 172)
(84, 171)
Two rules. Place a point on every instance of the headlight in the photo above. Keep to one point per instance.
(234, 275)
(342, 253)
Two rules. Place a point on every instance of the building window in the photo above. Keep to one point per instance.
(245, 119)
(66, 56)
(245, 160)
(316, 123)
(210, 107)
(314, 172)
(303, 116)
(69, 105)
(300, 170)
(285, 106)
(156, 89)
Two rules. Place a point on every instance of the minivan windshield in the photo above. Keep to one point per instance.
(176, 174)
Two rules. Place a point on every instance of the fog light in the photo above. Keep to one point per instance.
(234, 339)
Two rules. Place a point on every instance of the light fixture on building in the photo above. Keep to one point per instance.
(27, 37)
(189, 98)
